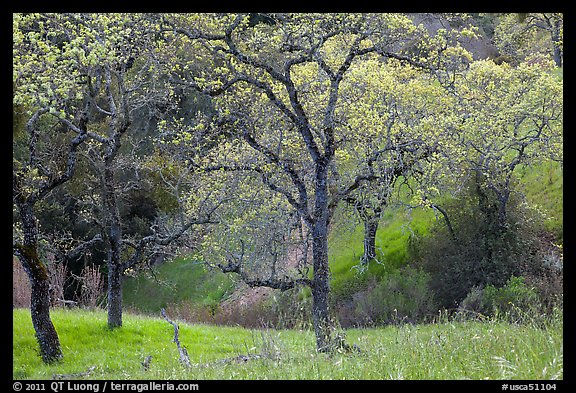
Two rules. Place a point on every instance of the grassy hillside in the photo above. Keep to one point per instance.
(346, 248)
(174, 281)
(543, 185)
(449, 350)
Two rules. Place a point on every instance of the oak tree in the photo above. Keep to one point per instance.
(277, 89)
(93, 74)
(55, 110)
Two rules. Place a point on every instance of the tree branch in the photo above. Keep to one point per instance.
(53, 182)
(271, 282)
(140, 247)
(81, 248)
(184, 358)
(300, 206)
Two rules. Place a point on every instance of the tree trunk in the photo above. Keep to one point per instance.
(46, 334)
(320, 282)
(321, 289)
(114, 235)
(557, 55)
(114, 295)
(556, 42)
(370, 229)
(446, 220)
(40, 310)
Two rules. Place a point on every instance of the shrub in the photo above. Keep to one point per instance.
(58, 273)
(400, 296)
(293, 308)
(473, 303)
(92, 286)
(21, 291)
(515, 300)
(549, 287)
(481, 254)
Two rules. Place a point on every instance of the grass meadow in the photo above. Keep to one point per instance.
(446, 350)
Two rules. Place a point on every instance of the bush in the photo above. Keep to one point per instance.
(550, 288)
(21, 291)
(400, 296)
(293, 308)
(92, 286)
(482, 254)
(514, 302)
(473, 303)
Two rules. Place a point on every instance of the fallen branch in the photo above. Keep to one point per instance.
(67, 303)
(184, 358)
(238, 359)
(74, 375)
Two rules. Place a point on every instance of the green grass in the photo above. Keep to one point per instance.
(543, 187)
(449, 350)
(180, 279)
(346, 247)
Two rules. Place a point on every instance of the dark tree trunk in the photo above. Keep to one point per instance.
(503, 198)
(370, 217)
(114, 295)
(492, 205)
(557, 55)
(40, 310)
(320, 282)
(556, 40)
(114, 237)
(321, 289)
(46, 334)
(370, 229)
(446, 220)
(488, 207)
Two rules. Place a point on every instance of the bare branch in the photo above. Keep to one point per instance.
(282, 284)
(184, 358)
(82, 247)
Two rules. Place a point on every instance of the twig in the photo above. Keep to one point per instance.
(74, 375)
(239, 359)
(184, 358)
